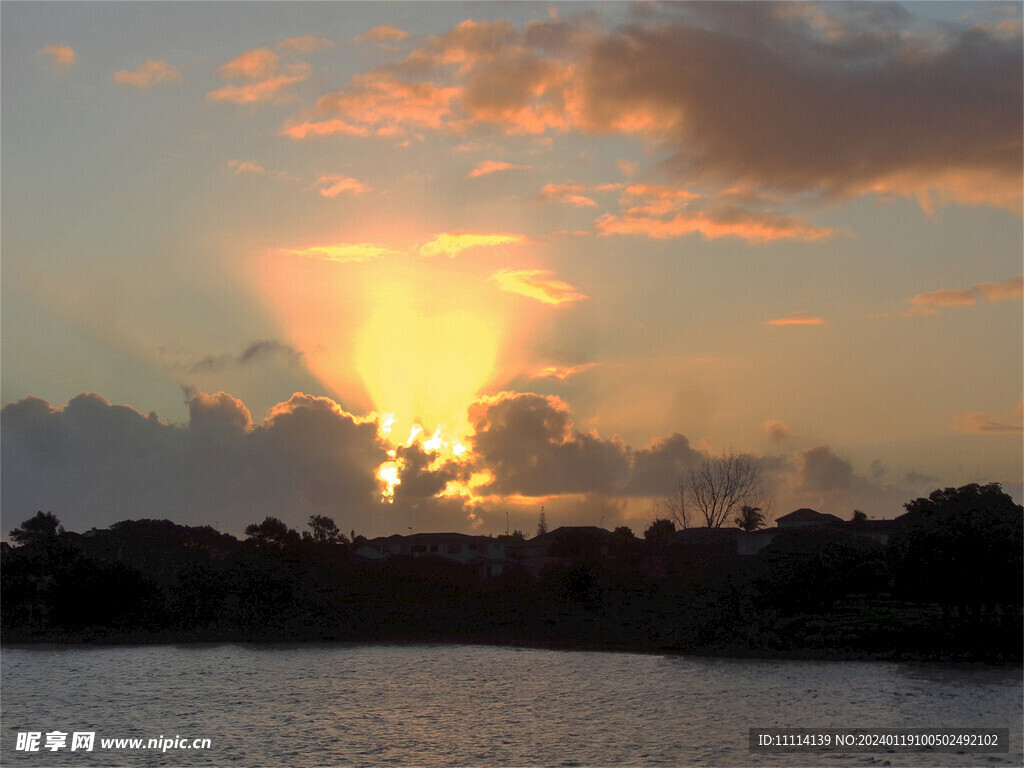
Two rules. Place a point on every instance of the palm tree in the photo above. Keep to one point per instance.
(750, 518)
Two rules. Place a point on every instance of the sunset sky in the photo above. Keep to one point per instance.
(247, 248)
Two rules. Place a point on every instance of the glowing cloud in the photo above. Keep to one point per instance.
(536, 284)
(983, 423)
(713, 223)
(797, 318)
(931, 302)
(245, 166)
(62, 55)
(336, 185)
(562, 372)
(493, 166)
(452, 244)
(254, 93)
(345, 253)
(382, 34)
(308, 128)
(389, 103)
(567, 193)
(147, 74)
(777, 430)
(257, 64)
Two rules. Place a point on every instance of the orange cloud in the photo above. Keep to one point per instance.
(147, 74)
(337, 185)
(562, 372)
(258, 64)
(345, 253)
(567, 193)
(777, 430)
(63, 55)
(382, 34)
(1011, 290)
(930, 303)
(797, 318)
(713, 223)
(983, 423)
(244, 166)
(385, 101)
(323, 128)
(454, 243)
(304, 44)
(536, 284)
(493, 166)
(253, 93)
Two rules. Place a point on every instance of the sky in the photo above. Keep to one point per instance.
(435, 266)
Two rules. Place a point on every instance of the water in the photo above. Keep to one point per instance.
(432, 705)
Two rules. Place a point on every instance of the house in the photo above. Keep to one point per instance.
(879, 531)
(486, 554)
(562, 546)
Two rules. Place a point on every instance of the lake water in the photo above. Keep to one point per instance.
(435, 705)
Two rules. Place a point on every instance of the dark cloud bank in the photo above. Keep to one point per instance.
(93, 463)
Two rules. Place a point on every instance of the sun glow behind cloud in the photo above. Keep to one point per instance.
(424, 358)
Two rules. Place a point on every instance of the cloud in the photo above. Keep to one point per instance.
(932, 302)
(147, 74)
(452, 244)
(806, 102)
(271, 89)
(260, 67)
(336, 185)
(824, 472)
(562, 372)
(345, 253)
(537, 284)
(796, 318)
(657, 468)
(777, 430)
(983, 423)
(222, 468)
(756, 95)
(304, 44)
(309, 128)
(527, 443)
(719, 221)
(382, 34)
(245, 166)
(567, 193)
(493, 166)
(386, 105)
(62, 56)
(262, 351)
(258, 64)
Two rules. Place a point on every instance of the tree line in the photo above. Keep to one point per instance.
(948, 585)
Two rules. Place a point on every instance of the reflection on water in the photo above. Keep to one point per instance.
(337, 704)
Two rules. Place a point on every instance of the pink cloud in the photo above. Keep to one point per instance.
(244, 166)
(148, 74)
(323, 128)
(931, 302)
(271, 89)
(258, 64)
(335, 185)
(493, 166)
(61, 55)
(797, 318)
(984, 423)
(385, 33)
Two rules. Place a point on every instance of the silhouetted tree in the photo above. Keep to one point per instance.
(750, 518)
(719, 486)
(271, 534)
(324, 531)
(858, 516)
(962, 547)
(542, 523)
(41, 528)
(660, 531)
